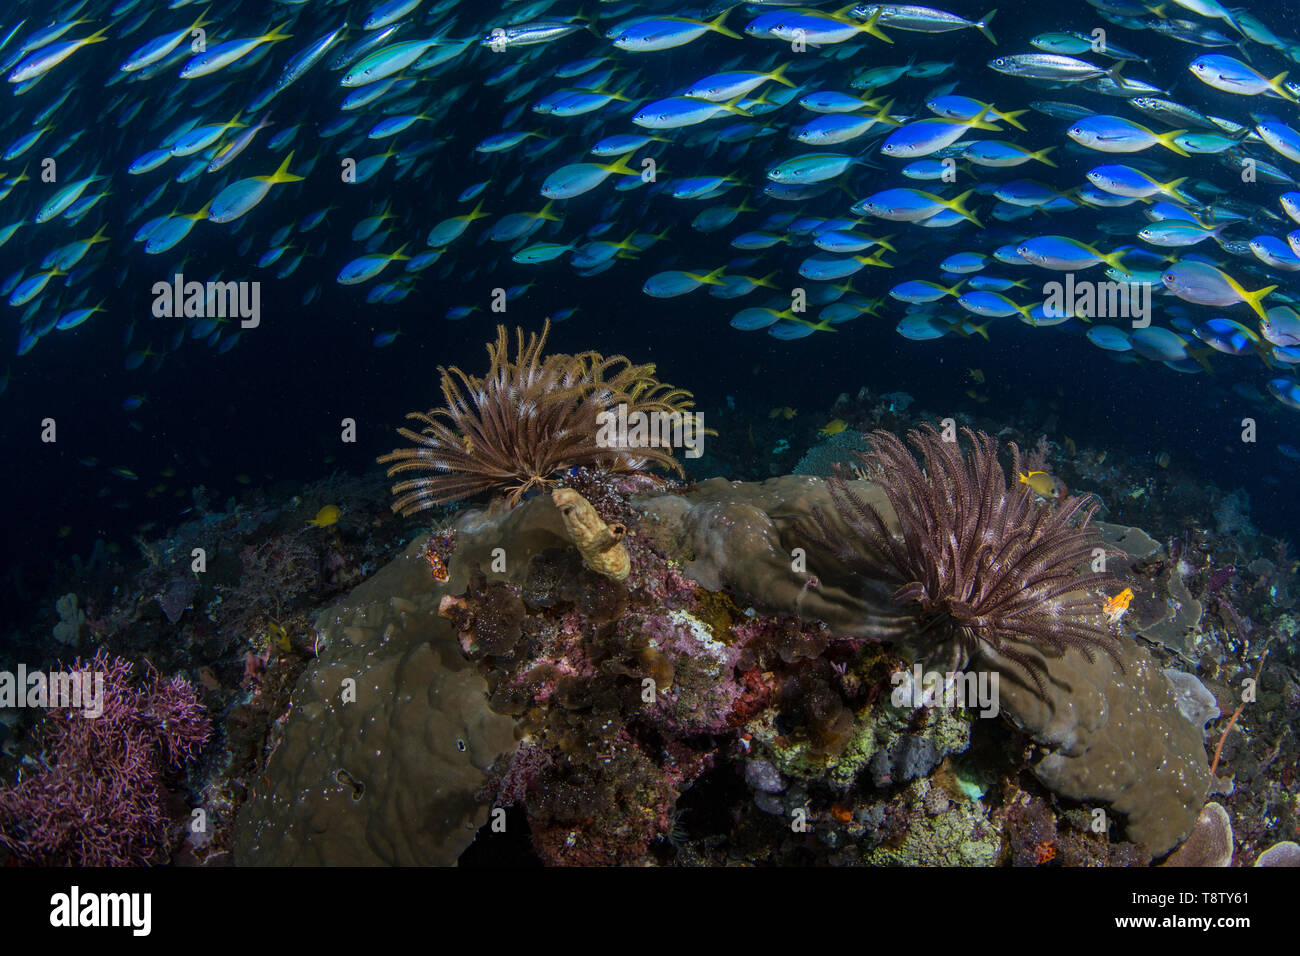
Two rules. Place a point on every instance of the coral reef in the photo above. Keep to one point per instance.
(720, 664)
(1286, 853)
(386, 737)
(821, 459)
(938, 832)
(727, 700)
(99, 797)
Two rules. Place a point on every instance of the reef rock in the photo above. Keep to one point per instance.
(392, 775)
(1106, 734)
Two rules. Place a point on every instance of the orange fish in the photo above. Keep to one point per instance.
(1115, 607)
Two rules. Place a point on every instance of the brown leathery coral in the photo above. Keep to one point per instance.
(600, 543)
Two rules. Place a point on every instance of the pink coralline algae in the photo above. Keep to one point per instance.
(99, 798)
(703, 691)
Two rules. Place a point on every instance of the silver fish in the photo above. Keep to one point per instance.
(1051, 66)
(1175, 114)
(528, 34)
(916, 19)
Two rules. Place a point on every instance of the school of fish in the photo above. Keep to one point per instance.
(1128, 181)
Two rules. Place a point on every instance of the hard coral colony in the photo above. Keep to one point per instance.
(633, 640)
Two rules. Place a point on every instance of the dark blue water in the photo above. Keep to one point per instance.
(271, 408)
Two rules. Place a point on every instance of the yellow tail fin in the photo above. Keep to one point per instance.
(1012, 117)
(778, 75)
(621, 167)
(1116, 259)
(1167, 141)
(1254, 300)
(957, 206)
(1276, 86)
(870, 26)
(275, 36)
(979, 122)
(282, 175)
(716, 25)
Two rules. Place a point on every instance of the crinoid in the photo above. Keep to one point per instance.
(978, 559)
(529, 417)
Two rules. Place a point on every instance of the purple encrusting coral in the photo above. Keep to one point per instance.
(703, 690)
(99, 798)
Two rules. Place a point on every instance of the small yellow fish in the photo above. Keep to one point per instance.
(833, 427)
(278, 637)
(1162, 459)
(976, 375)
(1070, 446)
(1115, 607)
(1040, 482)
(785, 412)
(325, 517)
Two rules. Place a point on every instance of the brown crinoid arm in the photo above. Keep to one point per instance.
(528, 418)
(976, 557)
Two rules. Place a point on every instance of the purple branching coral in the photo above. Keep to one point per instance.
(99, 799)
